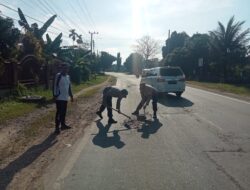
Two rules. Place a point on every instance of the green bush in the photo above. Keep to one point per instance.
(85, 73)
(75, 75)
(20, 90)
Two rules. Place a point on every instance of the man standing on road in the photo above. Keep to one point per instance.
(108, 93)
(147, 93)
(61, 93)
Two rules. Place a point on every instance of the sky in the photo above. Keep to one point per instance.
(119, 23)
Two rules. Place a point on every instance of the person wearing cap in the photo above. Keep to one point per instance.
(108, 94)
(61, 93)
(147, 93)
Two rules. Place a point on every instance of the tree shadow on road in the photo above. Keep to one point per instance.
(149, 127)
(28, 157)
(103, 140)
(173, 101)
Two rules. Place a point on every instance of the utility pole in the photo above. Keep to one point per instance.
(91, 46)
(91, 40)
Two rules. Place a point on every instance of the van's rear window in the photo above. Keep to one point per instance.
(170, 72)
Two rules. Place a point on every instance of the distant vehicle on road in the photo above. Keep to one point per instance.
(165, 79)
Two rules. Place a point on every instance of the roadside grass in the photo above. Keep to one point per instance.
(99, 79)
(90, 92)
(32, 130)
(12, 108)
(243, 90)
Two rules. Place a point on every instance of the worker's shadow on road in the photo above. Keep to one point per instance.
(170, 100)
(27, 158)
(149, 127)
(103, 140)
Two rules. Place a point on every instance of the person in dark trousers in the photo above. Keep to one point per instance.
(108, 93)
(147, 93)
(61, 92)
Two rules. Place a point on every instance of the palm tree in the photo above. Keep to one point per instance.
(79, 39)
(229, 44)
(73, 35)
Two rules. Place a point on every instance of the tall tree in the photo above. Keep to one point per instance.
(198, 48)
(229, 45)
(8, 37)
(176, 40)
(134, 63)
(119, 61)
(106, 60)
(147, 47)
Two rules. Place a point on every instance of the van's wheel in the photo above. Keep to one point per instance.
(178, 94)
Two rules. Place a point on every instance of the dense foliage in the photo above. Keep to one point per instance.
(41, 54)
(222, 55)
(134, 63)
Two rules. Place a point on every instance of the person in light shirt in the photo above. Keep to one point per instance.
(61, 93)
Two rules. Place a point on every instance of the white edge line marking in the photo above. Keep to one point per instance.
(237, 100)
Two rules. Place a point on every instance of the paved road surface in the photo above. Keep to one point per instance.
(200, 141)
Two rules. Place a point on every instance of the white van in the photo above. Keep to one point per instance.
(165, 79)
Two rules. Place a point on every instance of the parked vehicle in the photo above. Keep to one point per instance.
(165, 79)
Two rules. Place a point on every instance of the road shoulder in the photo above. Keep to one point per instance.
(24, 168)
(231, 95)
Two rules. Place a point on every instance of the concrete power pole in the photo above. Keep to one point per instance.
(91, 40)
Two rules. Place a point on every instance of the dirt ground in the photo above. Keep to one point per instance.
(28, 144)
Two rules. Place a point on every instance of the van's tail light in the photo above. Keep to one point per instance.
(160, 80)
(182, 79)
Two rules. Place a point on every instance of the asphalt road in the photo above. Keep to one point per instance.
(200, 141)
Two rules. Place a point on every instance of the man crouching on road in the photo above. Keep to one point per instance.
(61, 92)
(108, 93)
(147, 93)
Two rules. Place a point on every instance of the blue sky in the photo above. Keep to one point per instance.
(120, 22)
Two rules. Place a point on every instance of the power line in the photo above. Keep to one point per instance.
(52, 11)
(28, 5)
(45, 9)
(76, 12)
(68, 18)
(86, 14)
(28, 16)
(40, 7)
(58, 15)
(42, 10)
(49, 31)
(89, 14)
(72, 20)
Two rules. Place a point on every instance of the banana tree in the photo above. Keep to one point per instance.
(50, 49)
(33, 28)
(53, 46)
